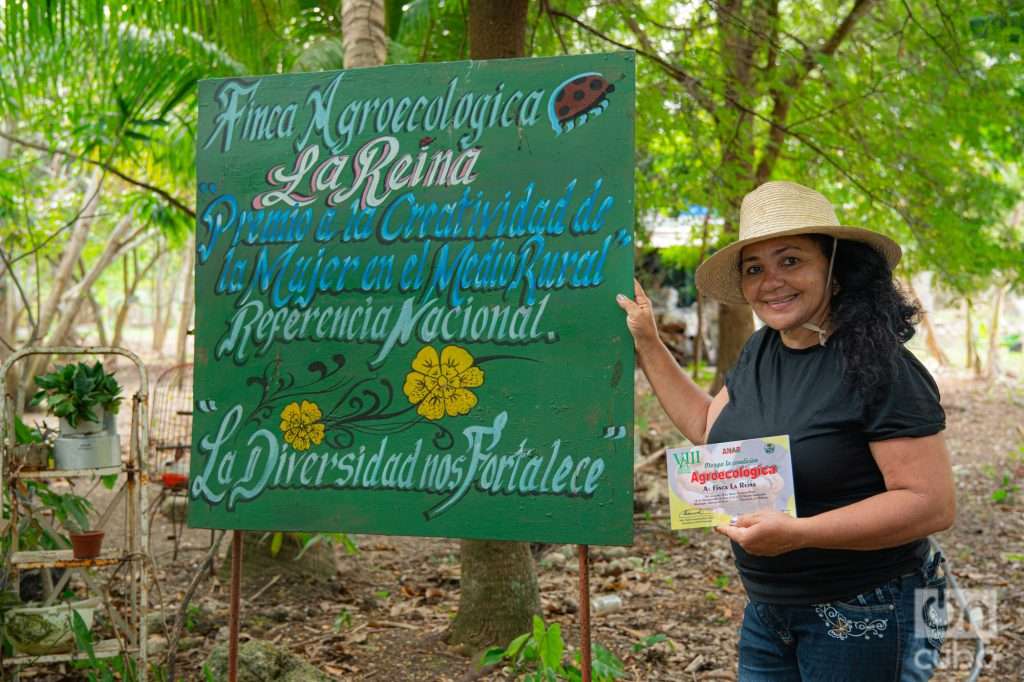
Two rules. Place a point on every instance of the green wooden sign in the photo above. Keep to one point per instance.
(405, 314)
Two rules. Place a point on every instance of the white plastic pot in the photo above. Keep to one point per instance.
(41, 630)
(87, 452)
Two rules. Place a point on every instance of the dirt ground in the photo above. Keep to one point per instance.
(380, 615)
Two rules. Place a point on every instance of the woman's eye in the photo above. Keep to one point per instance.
(753, 270)
(790, 260)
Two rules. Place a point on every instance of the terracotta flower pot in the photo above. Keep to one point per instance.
(86, 545)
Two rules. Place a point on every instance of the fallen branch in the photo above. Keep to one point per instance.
(650, 461)
(264, 588)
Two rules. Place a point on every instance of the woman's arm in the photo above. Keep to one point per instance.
(684, 401)
(919, 499)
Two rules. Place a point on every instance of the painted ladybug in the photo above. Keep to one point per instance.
(577, 100)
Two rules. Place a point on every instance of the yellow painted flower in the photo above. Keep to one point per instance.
(439, 386)
(301, 425)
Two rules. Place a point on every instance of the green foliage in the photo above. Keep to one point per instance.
(344, 620)
(70, 510)
(309, 540)
(191, 616)
(24, 434)
(541, 652)
(649, 641)
(99, 669)
(911, 125)
(72, 391)
(1007, 485)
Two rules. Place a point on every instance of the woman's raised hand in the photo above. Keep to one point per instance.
(639, 316)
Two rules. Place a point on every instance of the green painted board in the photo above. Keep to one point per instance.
(405, 301)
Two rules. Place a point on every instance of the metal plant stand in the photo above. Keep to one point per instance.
(122, 566)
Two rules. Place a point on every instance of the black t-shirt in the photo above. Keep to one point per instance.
(778, 390)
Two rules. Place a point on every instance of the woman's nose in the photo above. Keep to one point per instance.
(771, 279)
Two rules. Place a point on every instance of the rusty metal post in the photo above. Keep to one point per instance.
(236, 600)
(585, 612)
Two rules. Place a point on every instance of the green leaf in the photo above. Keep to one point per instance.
(492, 656)
(275, 543)
(109, 481)
(552, 647)
(83, 637)
(606, 665)
(348, 543)
(315, 540)
(648, 642)
(516, 646)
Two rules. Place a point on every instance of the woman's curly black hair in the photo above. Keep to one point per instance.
(870, 316)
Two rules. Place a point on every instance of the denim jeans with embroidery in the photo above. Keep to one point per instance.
(870, 636)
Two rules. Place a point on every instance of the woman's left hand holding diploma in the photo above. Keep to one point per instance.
(765, 533)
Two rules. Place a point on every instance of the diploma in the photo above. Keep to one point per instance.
(711, 485)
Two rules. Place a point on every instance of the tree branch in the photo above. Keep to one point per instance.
(166, 196)
(782, 98)
(693, 85)
(9, 266)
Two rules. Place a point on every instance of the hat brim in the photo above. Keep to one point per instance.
(719, 275)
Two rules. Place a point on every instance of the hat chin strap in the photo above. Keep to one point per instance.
(823, 334)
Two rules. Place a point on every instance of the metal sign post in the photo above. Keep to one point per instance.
(584, 552)
(236, 589)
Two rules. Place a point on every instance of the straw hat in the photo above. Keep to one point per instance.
(781, 209)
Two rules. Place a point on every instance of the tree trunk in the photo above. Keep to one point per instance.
(497, 29)
(973, 360)
(930, 338)
(363, 34)
(97, 313)
(499, 594)
(992, 366)
(189, 290)
(735, 325)
(162, 296)
(131, 285)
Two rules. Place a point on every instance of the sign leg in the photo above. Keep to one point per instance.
(236, 599)
(585, 611)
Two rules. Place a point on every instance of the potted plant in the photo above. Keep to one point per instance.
(86, 398)
(39, 630)
(80, 395)
(72, 512)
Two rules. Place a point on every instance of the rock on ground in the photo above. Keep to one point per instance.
(260, 661)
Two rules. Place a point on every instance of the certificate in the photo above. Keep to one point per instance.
(710, 485)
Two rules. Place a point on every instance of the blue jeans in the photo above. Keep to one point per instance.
(870, 636)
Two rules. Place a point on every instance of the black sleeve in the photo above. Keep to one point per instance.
(908, 407)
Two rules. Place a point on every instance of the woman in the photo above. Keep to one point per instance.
(831, 592)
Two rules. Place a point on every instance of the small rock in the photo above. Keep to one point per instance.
(261, 661)
(695, 664)
(155, 623)
(616, 567)
(615, 552)
(554, 560)
(186, 643)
